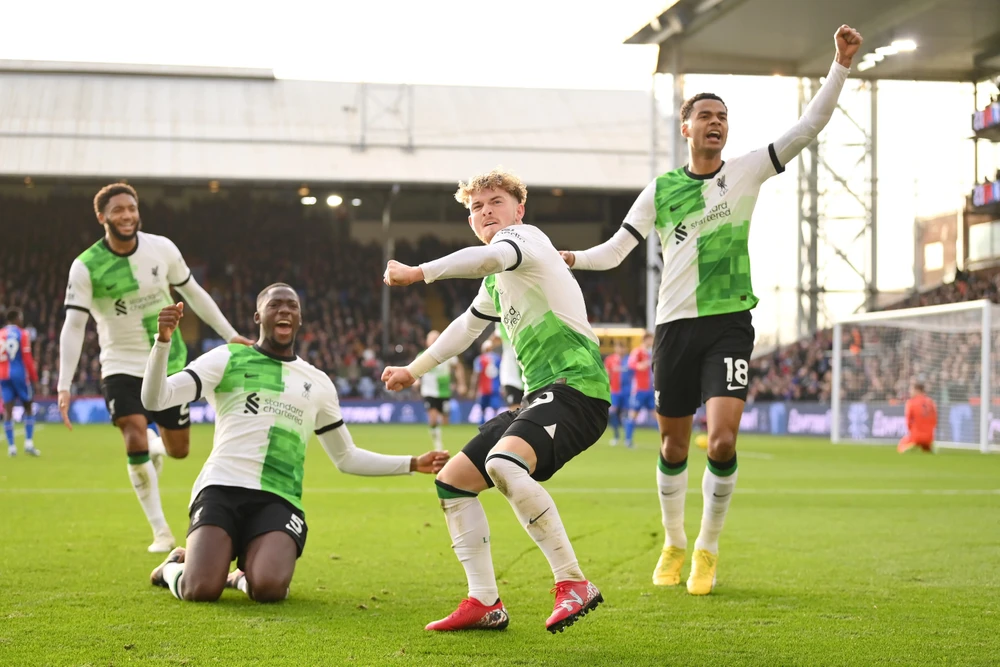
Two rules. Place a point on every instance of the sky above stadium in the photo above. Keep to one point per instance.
(540, 44)
(535, 43)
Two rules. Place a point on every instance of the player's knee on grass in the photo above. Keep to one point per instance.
(201, 589)
(177, 442)
(267, 586)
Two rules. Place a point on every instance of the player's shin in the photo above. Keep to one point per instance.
(144, 480)
(629, 428)
(470, 537)
(29, 431)
(8, 429)
(672, 482)
(717, 486)
(537, 512)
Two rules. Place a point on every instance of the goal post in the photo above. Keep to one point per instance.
(953, 349)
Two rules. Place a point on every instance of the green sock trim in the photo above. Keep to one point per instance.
(138, 458)
(446, 491)
(722, 468)
(671, 469)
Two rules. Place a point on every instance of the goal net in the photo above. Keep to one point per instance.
(953, 349)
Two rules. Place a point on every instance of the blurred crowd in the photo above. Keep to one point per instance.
(234, 249)
(881, 361)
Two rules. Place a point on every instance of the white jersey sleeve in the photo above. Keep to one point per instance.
(208, 369)
(79, 291)
(328, 415)
(178, 272)
(483, 306)
(338, 444)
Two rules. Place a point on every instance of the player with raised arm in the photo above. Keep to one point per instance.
(247, 502)
(565, 409)
(123, 281)
(704, 335)
(435, 389)
(17, 378)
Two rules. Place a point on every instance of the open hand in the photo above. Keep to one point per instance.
(429, 463)
(848, 42)
(169, 318)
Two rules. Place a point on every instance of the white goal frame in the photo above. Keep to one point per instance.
(986, 331)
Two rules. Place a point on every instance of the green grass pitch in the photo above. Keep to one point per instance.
(830, 556)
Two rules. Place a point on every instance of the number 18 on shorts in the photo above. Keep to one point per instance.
(701, 358)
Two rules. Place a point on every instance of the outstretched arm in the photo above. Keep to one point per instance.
(819, 111)
(456, 338)
(349, 458)
(474, 262)
(638, 223)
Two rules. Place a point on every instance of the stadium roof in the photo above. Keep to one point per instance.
(176, 123)
(957, 40)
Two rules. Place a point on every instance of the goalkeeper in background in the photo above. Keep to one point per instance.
(921, 420)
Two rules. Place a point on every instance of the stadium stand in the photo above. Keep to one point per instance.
(234, 248)
(876, 371)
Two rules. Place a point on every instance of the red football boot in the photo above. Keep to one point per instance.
(574, 600)
(473, 615)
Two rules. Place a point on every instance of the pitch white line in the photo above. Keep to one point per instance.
(557, 490)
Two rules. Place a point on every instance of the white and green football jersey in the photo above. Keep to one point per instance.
(510, 372)
(436, 383)
(704, 225)
(541, 308)
(124, 294)
(266, 410)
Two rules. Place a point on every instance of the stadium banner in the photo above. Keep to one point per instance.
(861, 421)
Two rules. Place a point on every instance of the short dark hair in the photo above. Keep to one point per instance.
(918, 385)
(689, 103)
(263, 292)
(105, 194)
(13, 314)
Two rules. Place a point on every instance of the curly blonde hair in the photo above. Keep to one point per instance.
(498, 179)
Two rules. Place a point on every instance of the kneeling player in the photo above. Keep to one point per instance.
(564, 412)
(247, 501)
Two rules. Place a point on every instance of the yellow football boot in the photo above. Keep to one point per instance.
(701, 581)
(668, 568)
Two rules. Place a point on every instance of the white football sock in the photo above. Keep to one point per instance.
(436, 438)
(672, 492)
(716, 493)
(470, 538)
(537, 512)
(242, 585)
(172, 573)
(144, 481)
